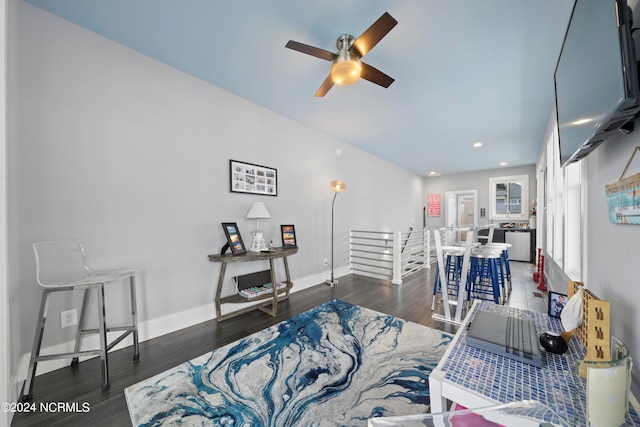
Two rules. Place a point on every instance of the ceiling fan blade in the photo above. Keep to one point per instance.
(310, 50)
(375, 76)
(324, 88)
(373, 34)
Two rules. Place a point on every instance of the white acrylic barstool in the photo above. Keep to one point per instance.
(61, 266)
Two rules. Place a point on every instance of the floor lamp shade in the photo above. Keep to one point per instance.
(337, 187)
(258, 211)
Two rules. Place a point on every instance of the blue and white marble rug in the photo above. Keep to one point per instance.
(335, 365)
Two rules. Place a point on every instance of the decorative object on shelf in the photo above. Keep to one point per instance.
(623, 197)
(269, 307)
(258, 211)
(571, 317)
(555, 343)
(234, 239)
(337, 187)
(608, 387)
(595, 329)
(256, 284)
(288, 233)
(556, 304)
(532, 214)
(253, 179)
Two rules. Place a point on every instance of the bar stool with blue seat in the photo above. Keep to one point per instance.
(61, 266)
(504, 247)
(484, 278)
(452, 256)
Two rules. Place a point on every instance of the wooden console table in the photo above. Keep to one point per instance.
(272, 298)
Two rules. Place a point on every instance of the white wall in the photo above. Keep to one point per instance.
(132, 157)
(610, 251)
(474, 181)
(5, 363)
(613, 250)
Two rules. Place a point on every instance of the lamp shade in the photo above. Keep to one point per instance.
(258, 211)
(346, 71)
(346, 67)
(338, 186)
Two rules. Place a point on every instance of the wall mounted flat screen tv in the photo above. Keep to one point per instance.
(596, 77)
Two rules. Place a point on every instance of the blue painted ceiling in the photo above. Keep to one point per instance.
(465, 71)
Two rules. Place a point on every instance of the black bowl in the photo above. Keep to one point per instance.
(553, 343)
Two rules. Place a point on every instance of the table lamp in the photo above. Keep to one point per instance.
(258, 211)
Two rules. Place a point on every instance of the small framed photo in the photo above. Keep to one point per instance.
(556, 303)
(234, 239)
(288, 233)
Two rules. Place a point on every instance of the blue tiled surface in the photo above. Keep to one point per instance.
(557, 385)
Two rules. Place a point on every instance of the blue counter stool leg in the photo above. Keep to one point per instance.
(485, 282)
(504, 247)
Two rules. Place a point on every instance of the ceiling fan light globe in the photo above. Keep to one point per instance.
(346, 72)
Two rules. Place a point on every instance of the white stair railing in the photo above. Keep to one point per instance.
(389, 254)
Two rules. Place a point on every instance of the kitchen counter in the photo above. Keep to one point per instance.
(522, 240)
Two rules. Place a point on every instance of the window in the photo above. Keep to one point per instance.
(565, 211)
(509, 197)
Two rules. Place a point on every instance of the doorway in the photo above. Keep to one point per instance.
(461, 211)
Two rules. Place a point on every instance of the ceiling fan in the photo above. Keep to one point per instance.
(347, 66)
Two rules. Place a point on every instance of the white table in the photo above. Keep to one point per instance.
(470, 239)
(475, 378)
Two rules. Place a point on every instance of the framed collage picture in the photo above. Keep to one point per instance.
(234, 239)
(252, 179)
(288, 233)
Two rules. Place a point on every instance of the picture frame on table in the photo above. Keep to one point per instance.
(288, 233)
(557, 302)
(234, 239)
(250, 178)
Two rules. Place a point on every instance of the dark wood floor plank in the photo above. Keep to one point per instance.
(410, 301)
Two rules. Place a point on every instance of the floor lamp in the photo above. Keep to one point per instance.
(337, 187)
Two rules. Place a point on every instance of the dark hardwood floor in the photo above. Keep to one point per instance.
(410, 301)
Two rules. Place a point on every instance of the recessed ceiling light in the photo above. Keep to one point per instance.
(433, 173)
(477, 144)
(581, 121)
(503, 164)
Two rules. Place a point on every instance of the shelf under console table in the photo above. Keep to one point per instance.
(268, 299)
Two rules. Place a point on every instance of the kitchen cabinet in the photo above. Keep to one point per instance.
(520, 241)
(523, 242)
